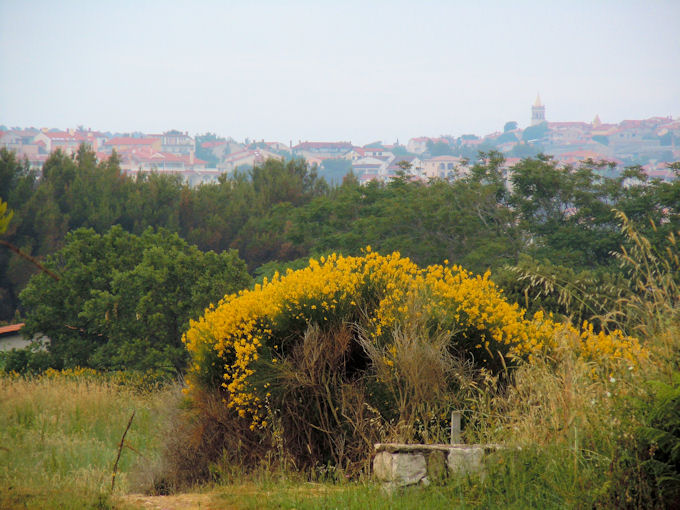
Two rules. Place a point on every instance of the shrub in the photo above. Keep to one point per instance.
(326, 360)
(25, 361)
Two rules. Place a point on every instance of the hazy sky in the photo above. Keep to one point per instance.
(357, 71)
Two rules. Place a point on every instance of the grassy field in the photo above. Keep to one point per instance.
(59, 438)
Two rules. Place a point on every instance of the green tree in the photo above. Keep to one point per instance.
(506, 137)
(439, 148)
(400, 150)
(294, 181)
(207, 154)
(98, 193)
(212, 215)
(462, 221)
(123, 301)
(568, 213)
(535, 132)
(333, 170)
(153, 202)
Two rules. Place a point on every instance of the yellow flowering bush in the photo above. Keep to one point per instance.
(238, 344)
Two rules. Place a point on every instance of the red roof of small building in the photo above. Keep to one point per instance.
(12, 328)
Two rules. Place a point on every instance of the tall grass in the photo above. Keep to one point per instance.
(594, 428)
(59, 437)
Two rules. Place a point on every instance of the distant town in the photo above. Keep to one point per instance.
(650, 143)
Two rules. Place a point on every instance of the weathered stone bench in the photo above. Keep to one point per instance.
(408, 464)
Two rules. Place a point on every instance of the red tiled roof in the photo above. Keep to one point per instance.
(210, 145)
(63, 135)
(323, 145)
(12, 328)
(239, 155)
(148, 155)
(128, 140)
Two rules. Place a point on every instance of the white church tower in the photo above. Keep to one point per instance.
(537, 111)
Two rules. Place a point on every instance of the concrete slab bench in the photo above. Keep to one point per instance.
(408, 464)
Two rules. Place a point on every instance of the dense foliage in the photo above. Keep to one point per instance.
(542, 229)
(283, 211)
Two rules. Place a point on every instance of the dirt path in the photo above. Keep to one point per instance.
(234, 497)
(176, 502)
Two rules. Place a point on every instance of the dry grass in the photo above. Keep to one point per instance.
(200, 438)
(424, 379)
(318, 409)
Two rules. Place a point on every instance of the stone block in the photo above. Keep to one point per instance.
(464, 460)
(400, 468)
(436, 465)
(397, 465)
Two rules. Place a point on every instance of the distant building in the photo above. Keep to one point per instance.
(67, 141)
(127, 143)
(417, 145)
(537, 111)
(247, 158)
(568, 132)
(322, 149)
(414, 165)
(442, 167)
(144, 160)
(370, 165)
(177, 142)
(420, 144)
(11, 338)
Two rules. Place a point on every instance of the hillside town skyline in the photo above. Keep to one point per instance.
(651, 143)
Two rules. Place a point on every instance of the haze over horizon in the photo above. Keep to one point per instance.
(334, 71)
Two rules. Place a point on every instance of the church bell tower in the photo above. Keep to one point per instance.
(537, 111)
